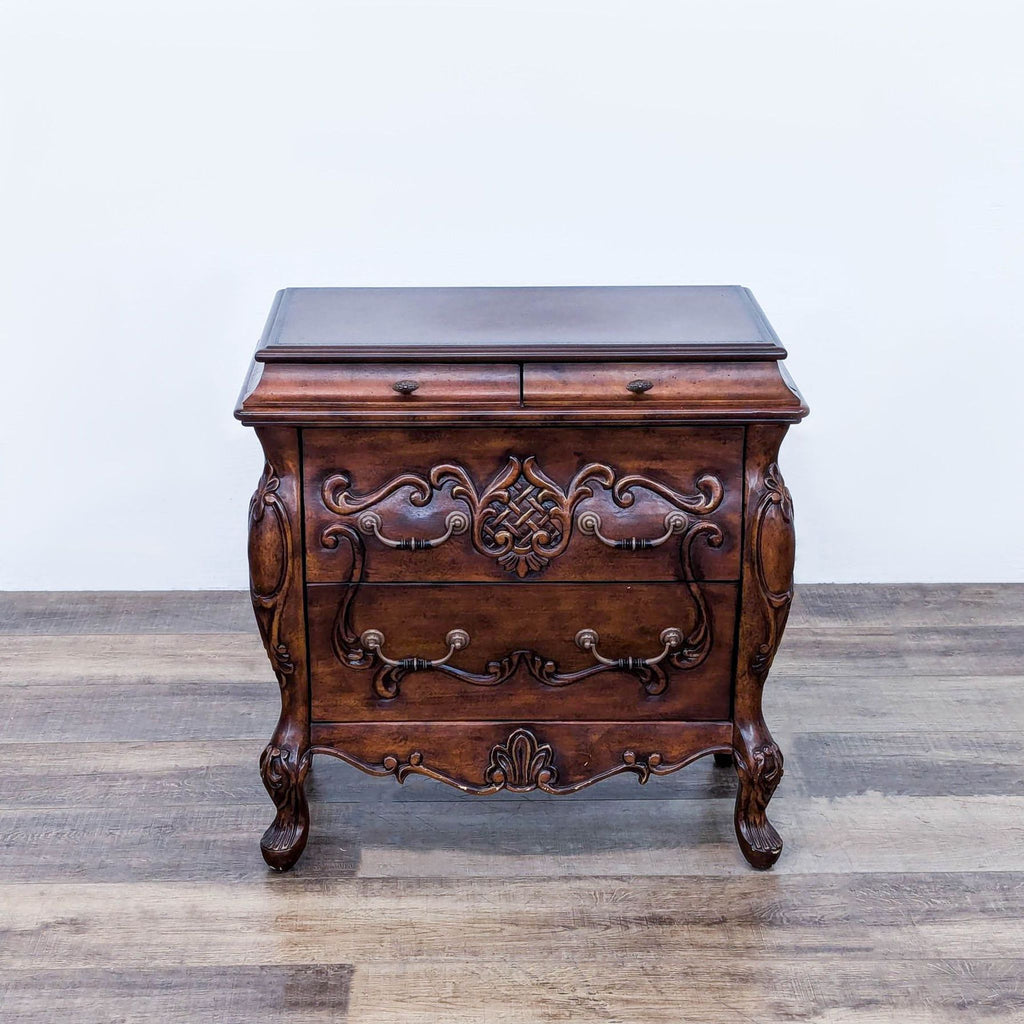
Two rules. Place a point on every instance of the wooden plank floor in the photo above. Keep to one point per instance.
(132, 889)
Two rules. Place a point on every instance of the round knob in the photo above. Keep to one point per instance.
(372, 638)
(638, 387)
(405, 387)
(457, 639)
(672, 637)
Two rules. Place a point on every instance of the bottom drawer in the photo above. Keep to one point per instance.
(525, 658)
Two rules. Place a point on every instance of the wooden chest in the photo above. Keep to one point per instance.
(520, 538)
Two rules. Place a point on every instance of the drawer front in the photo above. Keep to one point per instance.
(524, 658)
(408, 385)
(638, 385)
(527, 504)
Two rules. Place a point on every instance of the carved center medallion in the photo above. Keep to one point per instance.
(521, 523)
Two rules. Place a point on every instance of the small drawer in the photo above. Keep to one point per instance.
(618, 385)
(521, 653)
(395, 385)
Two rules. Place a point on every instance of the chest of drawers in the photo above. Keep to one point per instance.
(520, 538)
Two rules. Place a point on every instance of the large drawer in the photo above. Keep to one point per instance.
(553, 678)
(542, 504)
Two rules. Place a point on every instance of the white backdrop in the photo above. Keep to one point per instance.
(166, 167)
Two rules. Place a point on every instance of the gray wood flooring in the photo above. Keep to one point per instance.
(132, 889)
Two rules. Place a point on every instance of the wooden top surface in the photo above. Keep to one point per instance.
(664, 322)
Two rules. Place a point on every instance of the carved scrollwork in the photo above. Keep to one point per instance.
(270, 567)
(773, 574)
(345, 642)
(388, 678)
(522, 518)
(697, 645)
(520, 764)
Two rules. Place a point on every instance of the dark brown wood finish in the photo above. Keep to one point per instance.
(399, 388)
(436, 324)
(320, 394)
(714, 388)
(766, 594)
(558, 758)
(678, 489)
(522, 659)
(536, 538)
(276, 586)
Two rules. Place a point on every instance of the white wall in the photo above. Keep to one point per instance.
(166, 167)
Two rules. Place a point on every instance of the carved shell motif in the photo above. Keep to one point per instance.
(521, 764)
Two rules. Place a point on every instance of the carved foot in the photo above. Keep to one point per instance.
(759, 774)
(723, 759)
(284, 774)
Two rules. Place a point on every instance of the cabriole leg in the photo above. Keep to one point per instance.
(275, 583)
(760, 771)
(766, 596)
(284, 774)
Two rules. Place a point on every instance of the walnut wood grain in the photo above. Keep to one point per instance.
(371, 386)
(540, 619)
(679, 386)
(692, 463)
(319, 393)
(556, 757)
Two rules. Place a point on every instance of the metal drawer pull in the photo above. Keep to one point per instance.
(405, 387)
(373, 640)
(371, 523)
(590, 524)
(587, 640)
(639, 386)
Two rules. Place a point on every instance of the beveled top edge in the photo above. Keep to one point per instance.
(661, 322)
(520, 354)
